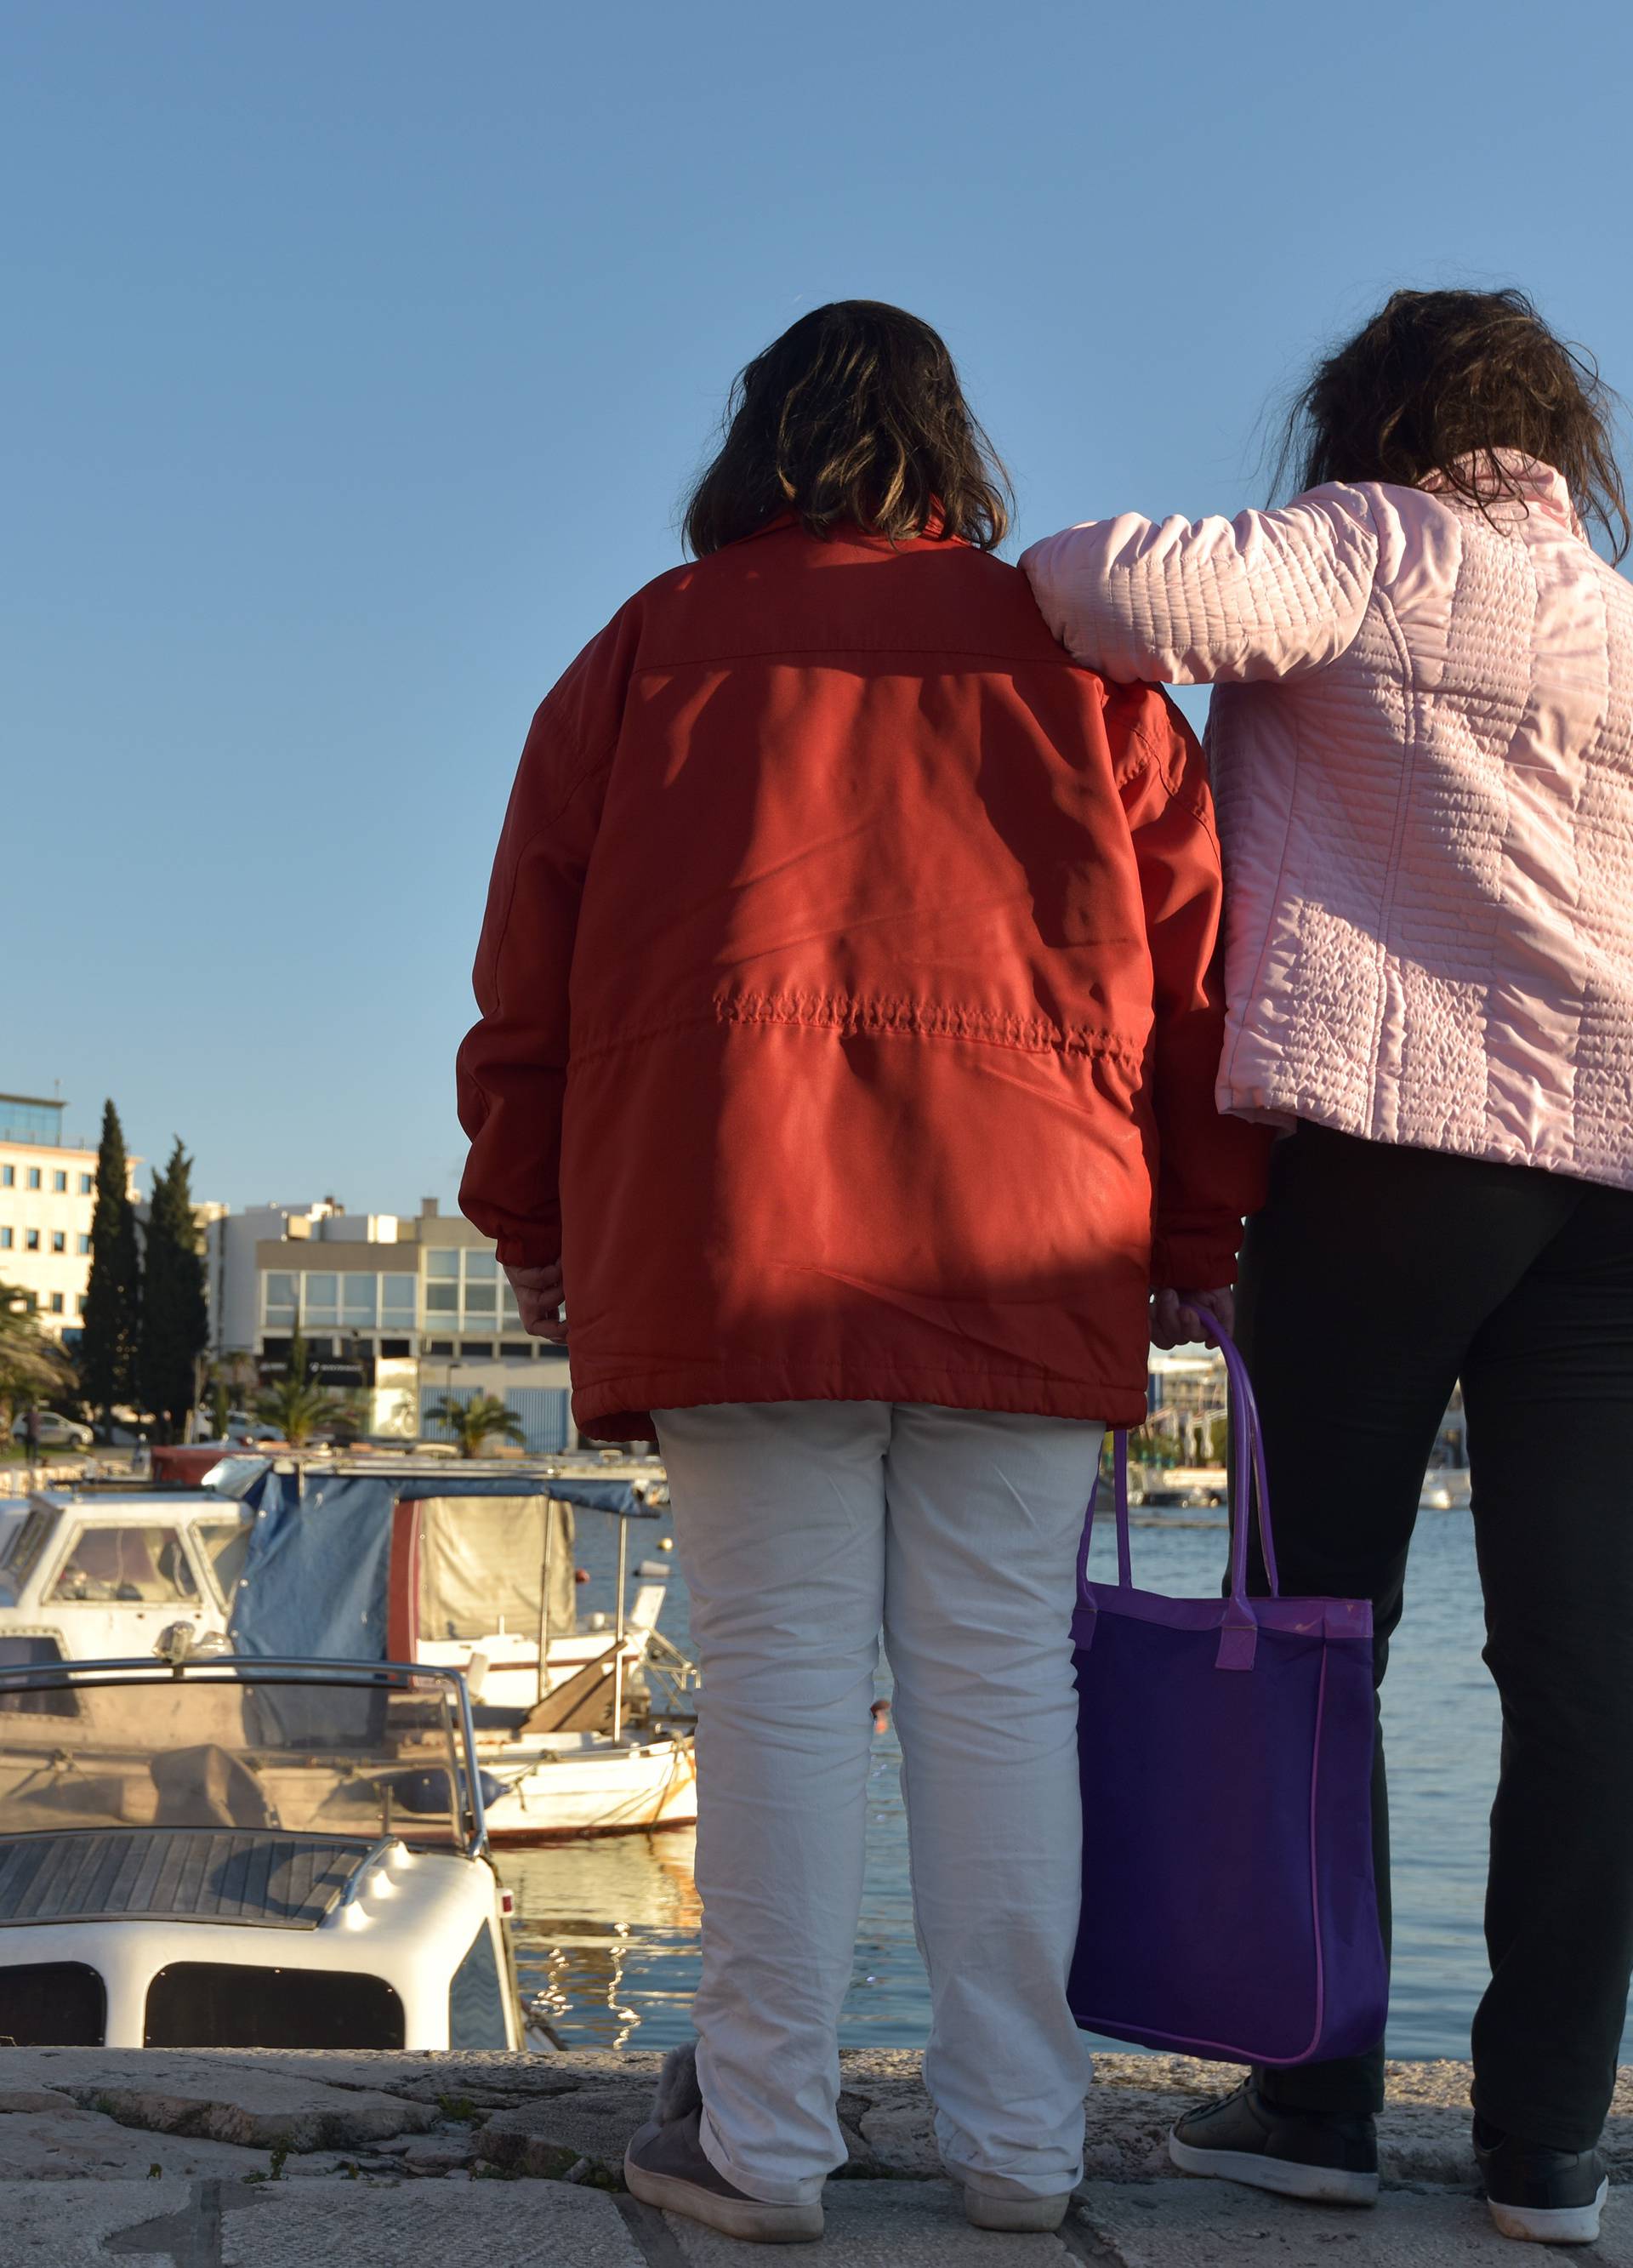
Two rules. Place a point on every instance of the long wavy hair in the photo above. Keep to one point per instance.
(1441, 381)
(856, 414)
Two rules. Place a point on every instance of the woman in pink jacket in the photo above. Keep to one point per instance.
(1422, 742)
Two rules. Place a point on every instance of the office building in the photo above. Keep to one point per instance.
(48, 1195)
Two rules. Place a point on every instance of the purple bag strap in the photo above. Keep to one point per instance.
(1237, 1640)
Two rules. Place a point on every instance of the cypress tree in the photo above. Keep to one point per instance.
(176, 1315)
(107, 1347)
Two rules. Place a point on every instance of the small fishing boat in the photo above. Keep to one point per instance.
(247, 1854)
(584, 1727)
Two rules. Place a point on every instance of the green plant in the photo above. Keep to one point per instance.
(296, 1407)
(113, 1312)
(1149, 1446)
(297, 1410)
(33, 1365)
(175, 1317)
(473, 1424)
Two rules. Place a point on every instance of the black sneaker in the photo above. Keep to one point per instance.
(1540, 2196)
(1300, 2154)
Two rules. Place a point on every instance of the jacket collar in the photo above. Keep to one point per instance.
(1528, 485)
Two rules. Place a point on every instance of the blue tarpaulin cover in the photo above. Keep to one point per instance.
(314, 1577)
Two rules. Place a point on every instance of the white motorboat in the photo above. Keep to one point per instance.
(582, 1730)
(249, 1854)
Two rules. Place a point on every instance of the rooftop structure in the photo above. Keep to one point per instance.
(47, 1193)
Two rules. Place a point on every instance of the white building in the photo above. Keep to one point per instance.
(48, 1195)
(408, 1309)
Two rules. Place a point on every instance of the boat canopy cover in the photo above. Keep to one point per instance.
(316, 1572)
(482, 1563)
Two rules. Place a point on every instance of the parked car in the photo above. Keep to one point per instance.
(54, 1432)
(238, 1421)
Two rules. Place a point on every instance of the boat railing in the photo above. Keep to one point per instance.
(286, 1670)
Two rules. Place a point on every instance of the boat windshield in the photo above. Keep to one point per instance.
(237, 1745)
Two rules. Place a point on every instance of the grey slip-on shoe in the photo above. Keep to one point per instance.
(666, 2166)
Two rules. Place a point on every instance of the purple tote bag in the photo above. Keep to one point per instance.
(1226, 1749)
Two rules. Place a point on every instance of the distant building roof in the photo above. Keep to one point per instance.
(31, 1118)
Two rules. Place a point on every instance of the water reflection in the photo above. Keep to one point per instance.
(605, 1935)
(606, 1931)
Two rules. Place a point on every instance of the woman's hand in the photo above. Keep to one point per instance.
(539, 1296)
(1181, 1318)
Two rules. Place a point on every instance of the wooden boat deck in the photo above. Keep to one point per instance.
(252, 1876)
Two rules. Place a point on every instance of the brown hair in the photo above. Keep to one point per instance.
(1439, 382)
(856, 414)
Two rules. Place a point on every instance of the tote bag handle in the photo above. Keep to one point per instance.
(1237, 1640)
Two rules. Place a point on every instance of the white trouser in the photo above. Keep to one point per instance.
(803, 1529)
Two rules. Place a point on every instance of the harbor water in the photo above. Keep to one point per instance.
(606, 1931)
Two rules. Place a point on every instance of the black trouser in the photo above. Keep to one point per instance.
(1374, 1279)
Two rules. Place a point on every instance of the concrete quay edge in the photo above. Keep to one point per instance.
(250, 2159)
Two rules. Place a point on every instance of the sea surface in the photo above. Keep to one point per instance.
(607, 1930)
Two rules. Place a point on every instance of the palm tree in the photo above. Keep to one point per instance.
(33, 1365)
(473, 1424)
(298, 1409)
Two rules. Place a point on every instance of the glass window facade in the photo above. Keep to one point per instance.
(8, 1177)
(34, 1177)
(331, 1300)
(23, 1121)
(468, 1288)
(87, 1184)
(59, 1182)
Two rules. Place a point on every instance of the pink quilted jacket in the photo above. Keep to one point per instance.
(1423, 751)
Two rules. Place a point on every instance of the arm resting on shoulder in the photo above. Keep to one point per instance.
(1214, 601)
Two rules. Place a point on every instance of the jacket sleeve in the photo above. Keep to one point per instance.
(1210, 1168)
(1210, 601)
(512, 1064)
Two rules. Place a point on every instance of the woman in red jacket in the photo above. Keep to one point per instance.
(849, 1030)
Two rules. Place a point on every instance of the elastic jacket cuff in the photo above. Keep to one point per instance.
(529, 1248)
(1190, 1261)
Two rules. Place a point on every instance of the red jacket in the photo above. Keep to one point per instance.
(847, 989)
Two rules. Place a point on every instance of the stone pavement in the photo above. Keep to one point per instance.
(271, 2161)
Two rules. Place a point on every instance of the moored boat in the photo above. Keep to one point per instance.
(228, 1854)
(583, 1729)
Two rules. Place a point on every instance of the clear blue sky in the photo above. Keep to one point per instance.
(358, 356)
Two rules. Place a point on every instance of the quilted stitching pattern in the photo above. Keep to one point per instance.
(1426, 807)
